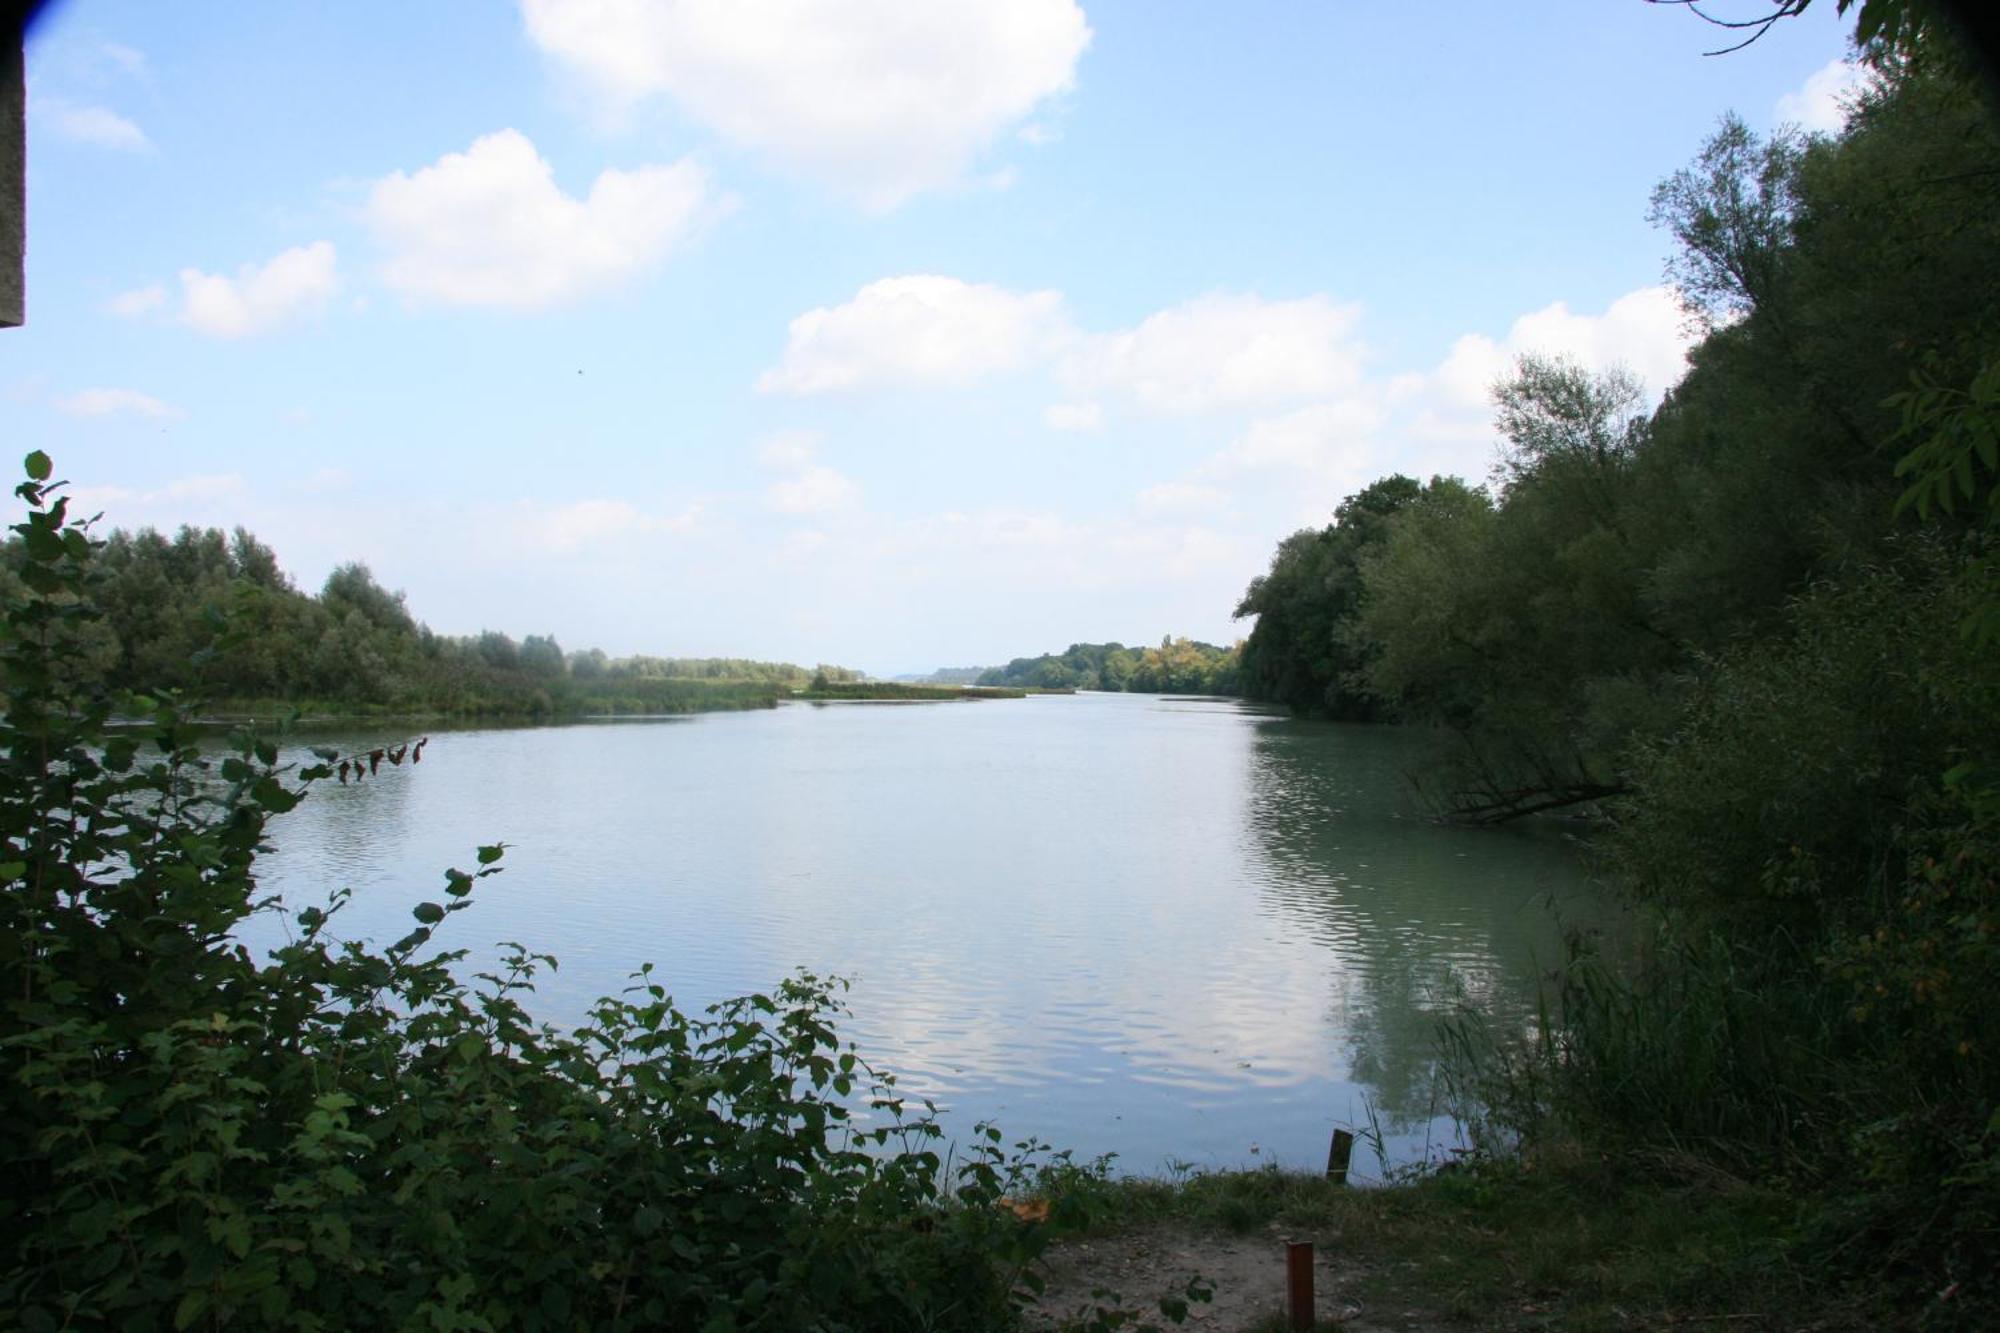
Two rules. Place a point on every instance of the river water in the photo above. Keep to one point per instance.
(1181, 931)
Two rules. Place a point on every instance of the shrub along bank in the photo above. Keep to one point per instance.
(340, 1136)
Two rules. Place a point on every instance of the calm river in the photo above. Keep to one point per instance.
(1178, 931)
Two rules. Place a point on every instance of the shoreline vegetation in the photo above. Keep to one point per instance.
(214, 616)
(1751, 633)
(1176, 666)
(889, 691)
(1753, 628)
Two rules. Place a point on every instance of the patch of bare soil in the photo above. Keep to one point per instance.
(1248, 1273)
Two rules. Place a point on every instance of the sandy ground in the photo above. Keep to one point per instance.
(1248, 1273)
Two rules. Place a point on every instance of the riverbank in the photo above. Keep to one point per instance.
(634, 698)
(889, 691)
(1576, 1243)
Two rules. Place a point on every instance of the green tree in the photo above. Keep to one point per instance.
(542, 658)
(1303, 652)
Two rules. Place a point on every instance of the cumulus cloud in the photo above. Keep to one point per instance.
(1217, 351)
(261, 297)
(919, 329)
(187, 497)
(1073, 416)
(1172, 497)
(1434, 421)
(140, 301)
(1322, 438)
(878, 99)
(566, 527)
(1225, 350)
(1644, 331)
(117, 402)
(98, 126)
(807, 487)
(490, 227)
(1821, 104)
(816, 489)
(788, 449)
(1005, 546)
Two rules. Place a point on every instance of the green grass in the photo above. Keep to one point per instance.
(1578, 1244)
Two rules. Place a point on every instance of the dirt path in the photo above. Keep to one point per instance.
(1248, 1273)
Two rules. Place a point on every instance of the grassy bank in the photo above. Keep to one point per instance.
(1575, 1242)
(642, 697)
(896, 690)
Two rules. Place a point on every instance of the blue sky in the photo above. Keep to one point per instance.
(894, 333)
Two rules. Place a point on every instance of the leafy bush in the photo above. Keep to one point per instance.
(341, 1136)
(1814, 1006)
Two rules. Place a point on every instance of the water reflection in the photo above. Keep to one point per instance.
(1424, 919)
(1171, 929)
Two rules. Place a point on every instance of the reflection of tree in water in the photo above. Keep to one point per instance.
(1420, 918)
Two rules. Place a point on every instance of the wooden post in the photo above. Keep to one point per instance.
(1299, 1285)
(1337, 1154)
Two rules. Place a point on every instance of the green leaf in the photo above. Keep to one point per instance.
(428, 913)
(488, 855)
(38, 466)
(42, 543)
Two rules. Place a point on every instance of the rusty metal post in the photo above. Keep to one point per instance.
(1299, 1285)
(1337, 1154)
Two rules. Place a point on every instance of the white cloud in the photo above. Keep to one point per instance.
(566, 527)
(1180, 497)
(1644, 331)
(139, 301)
(788, 449)
(116, 402)
(186, 499)
(815, 490)
(97, 126)
(878, 99)
(1444, 417)
(1217, 351)
(808, 487)
(259, 298)
(490, 227)
(1322, 438)
(1226, 350)
(1821, 104)
(991, 550)
(1073, 416)
(917, 329)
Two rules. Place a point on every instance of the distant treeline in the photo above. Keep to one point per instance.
(946, 676)
(900, 690)
(215, 614)
(1177, 666)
